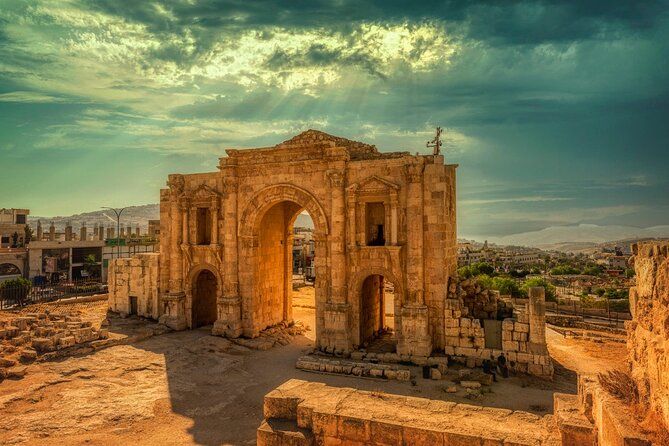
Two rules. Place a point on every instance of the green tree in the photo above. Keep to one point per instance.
(28, 234)
(562, 270)
(506, 286)
(485, 281)
(540, 281)
(91, 265)
(629, 273)
(15, 290)
(592, 270)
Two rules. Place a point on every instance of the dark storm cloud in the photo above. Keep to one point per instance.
(498, 22)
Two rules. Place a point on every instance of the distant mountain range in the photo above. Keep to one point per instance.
(583, 234)
(132, 215)
(572, 237)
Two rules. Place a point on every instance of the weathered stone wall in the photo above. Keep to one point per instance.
(138, 277)
(523, 334)
(648, 332)
(334, 180)
(304, 413)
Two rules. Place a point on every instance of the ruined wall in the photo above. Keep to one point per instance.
(136, 276)
(306, 413)
(648, 332)
(523, 336)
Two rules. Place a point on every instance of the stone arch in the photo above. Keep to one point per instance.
(271, 195)
(248, 231)
(355, 298)
(190, 284)
(11, 268)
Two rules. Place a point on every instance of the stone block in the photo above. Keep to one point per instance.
(42, 345)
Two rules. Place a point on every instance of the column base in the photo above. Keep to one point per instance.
(335, 337)
(414, 337)
(229, 322)
(175, 311)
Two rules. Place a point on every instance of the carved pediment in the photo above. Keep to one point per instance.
(202, 192)
(374, 184)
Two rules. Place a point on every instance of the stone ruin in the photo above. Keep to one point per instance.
(226, 255)
(32, 336)
(302, 413)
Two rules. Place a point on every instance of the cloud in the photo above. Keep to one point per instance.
(30, 97)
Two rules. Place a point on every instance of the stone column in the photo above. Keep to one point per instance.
(174, 301)
(386, 224)
(185, 228)
(229, 322)
(351, 216)
(214, 221)
(537, 314)
(337, 237)
(413, 336)
(52, 232)
(415, 233)
(393, 219)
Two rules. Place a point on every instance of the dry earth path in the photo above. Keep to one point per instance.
(192, 388)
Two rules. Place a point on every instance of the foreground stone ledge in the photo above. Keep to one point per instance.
(318, 414)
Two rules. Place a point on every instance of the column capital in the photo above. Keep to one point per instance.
(336, 177)
(230, 185)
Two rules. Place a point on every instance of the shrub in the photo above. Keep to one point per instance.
(506, 286)
(620, 385)
(561, 270)
(484, 280)
(15, 290)
(540, 281)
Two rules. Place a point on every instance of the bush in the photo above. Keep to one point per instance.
(540, 281)
(562, 270)
(15, 290)
(620, 385)
(506, 286)
(476, 269)
(484, 280)
(592, 271)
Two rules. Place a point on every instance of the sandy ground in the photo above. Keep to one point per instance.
(192, 388)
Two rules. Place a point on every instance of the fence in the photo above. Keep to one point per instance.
(16, 295)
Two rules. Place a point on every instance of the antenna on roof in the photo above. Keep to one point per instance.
(436, 142)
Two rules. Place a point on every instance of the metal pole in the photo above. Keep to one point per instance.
(118, 228)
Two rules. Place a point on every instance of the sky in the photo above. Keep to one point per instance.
(557, 112)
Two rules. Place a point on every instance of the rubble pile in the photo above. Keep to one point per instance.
(281, 334)
(478, 302)
(25, 338)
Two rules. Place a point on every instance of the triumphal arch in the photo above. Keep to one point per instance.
(226, 241)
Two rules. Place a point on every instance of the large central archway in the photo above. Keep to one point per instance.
(266, 232)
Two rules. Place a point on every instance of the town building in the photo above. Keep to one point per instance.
(12, 227)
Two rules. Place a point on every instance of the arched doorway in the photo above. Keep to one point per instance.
(274, 264)
(204, 299)
(377, 314)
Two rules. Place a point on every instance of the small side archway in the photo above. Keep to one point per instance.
(377, 298)
(201, 300)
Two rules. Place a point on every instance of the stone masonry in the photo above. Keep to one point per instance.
(648, 332)
(226, 241)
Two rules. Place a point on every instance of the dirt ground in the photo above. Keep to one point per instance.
(192, 388)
